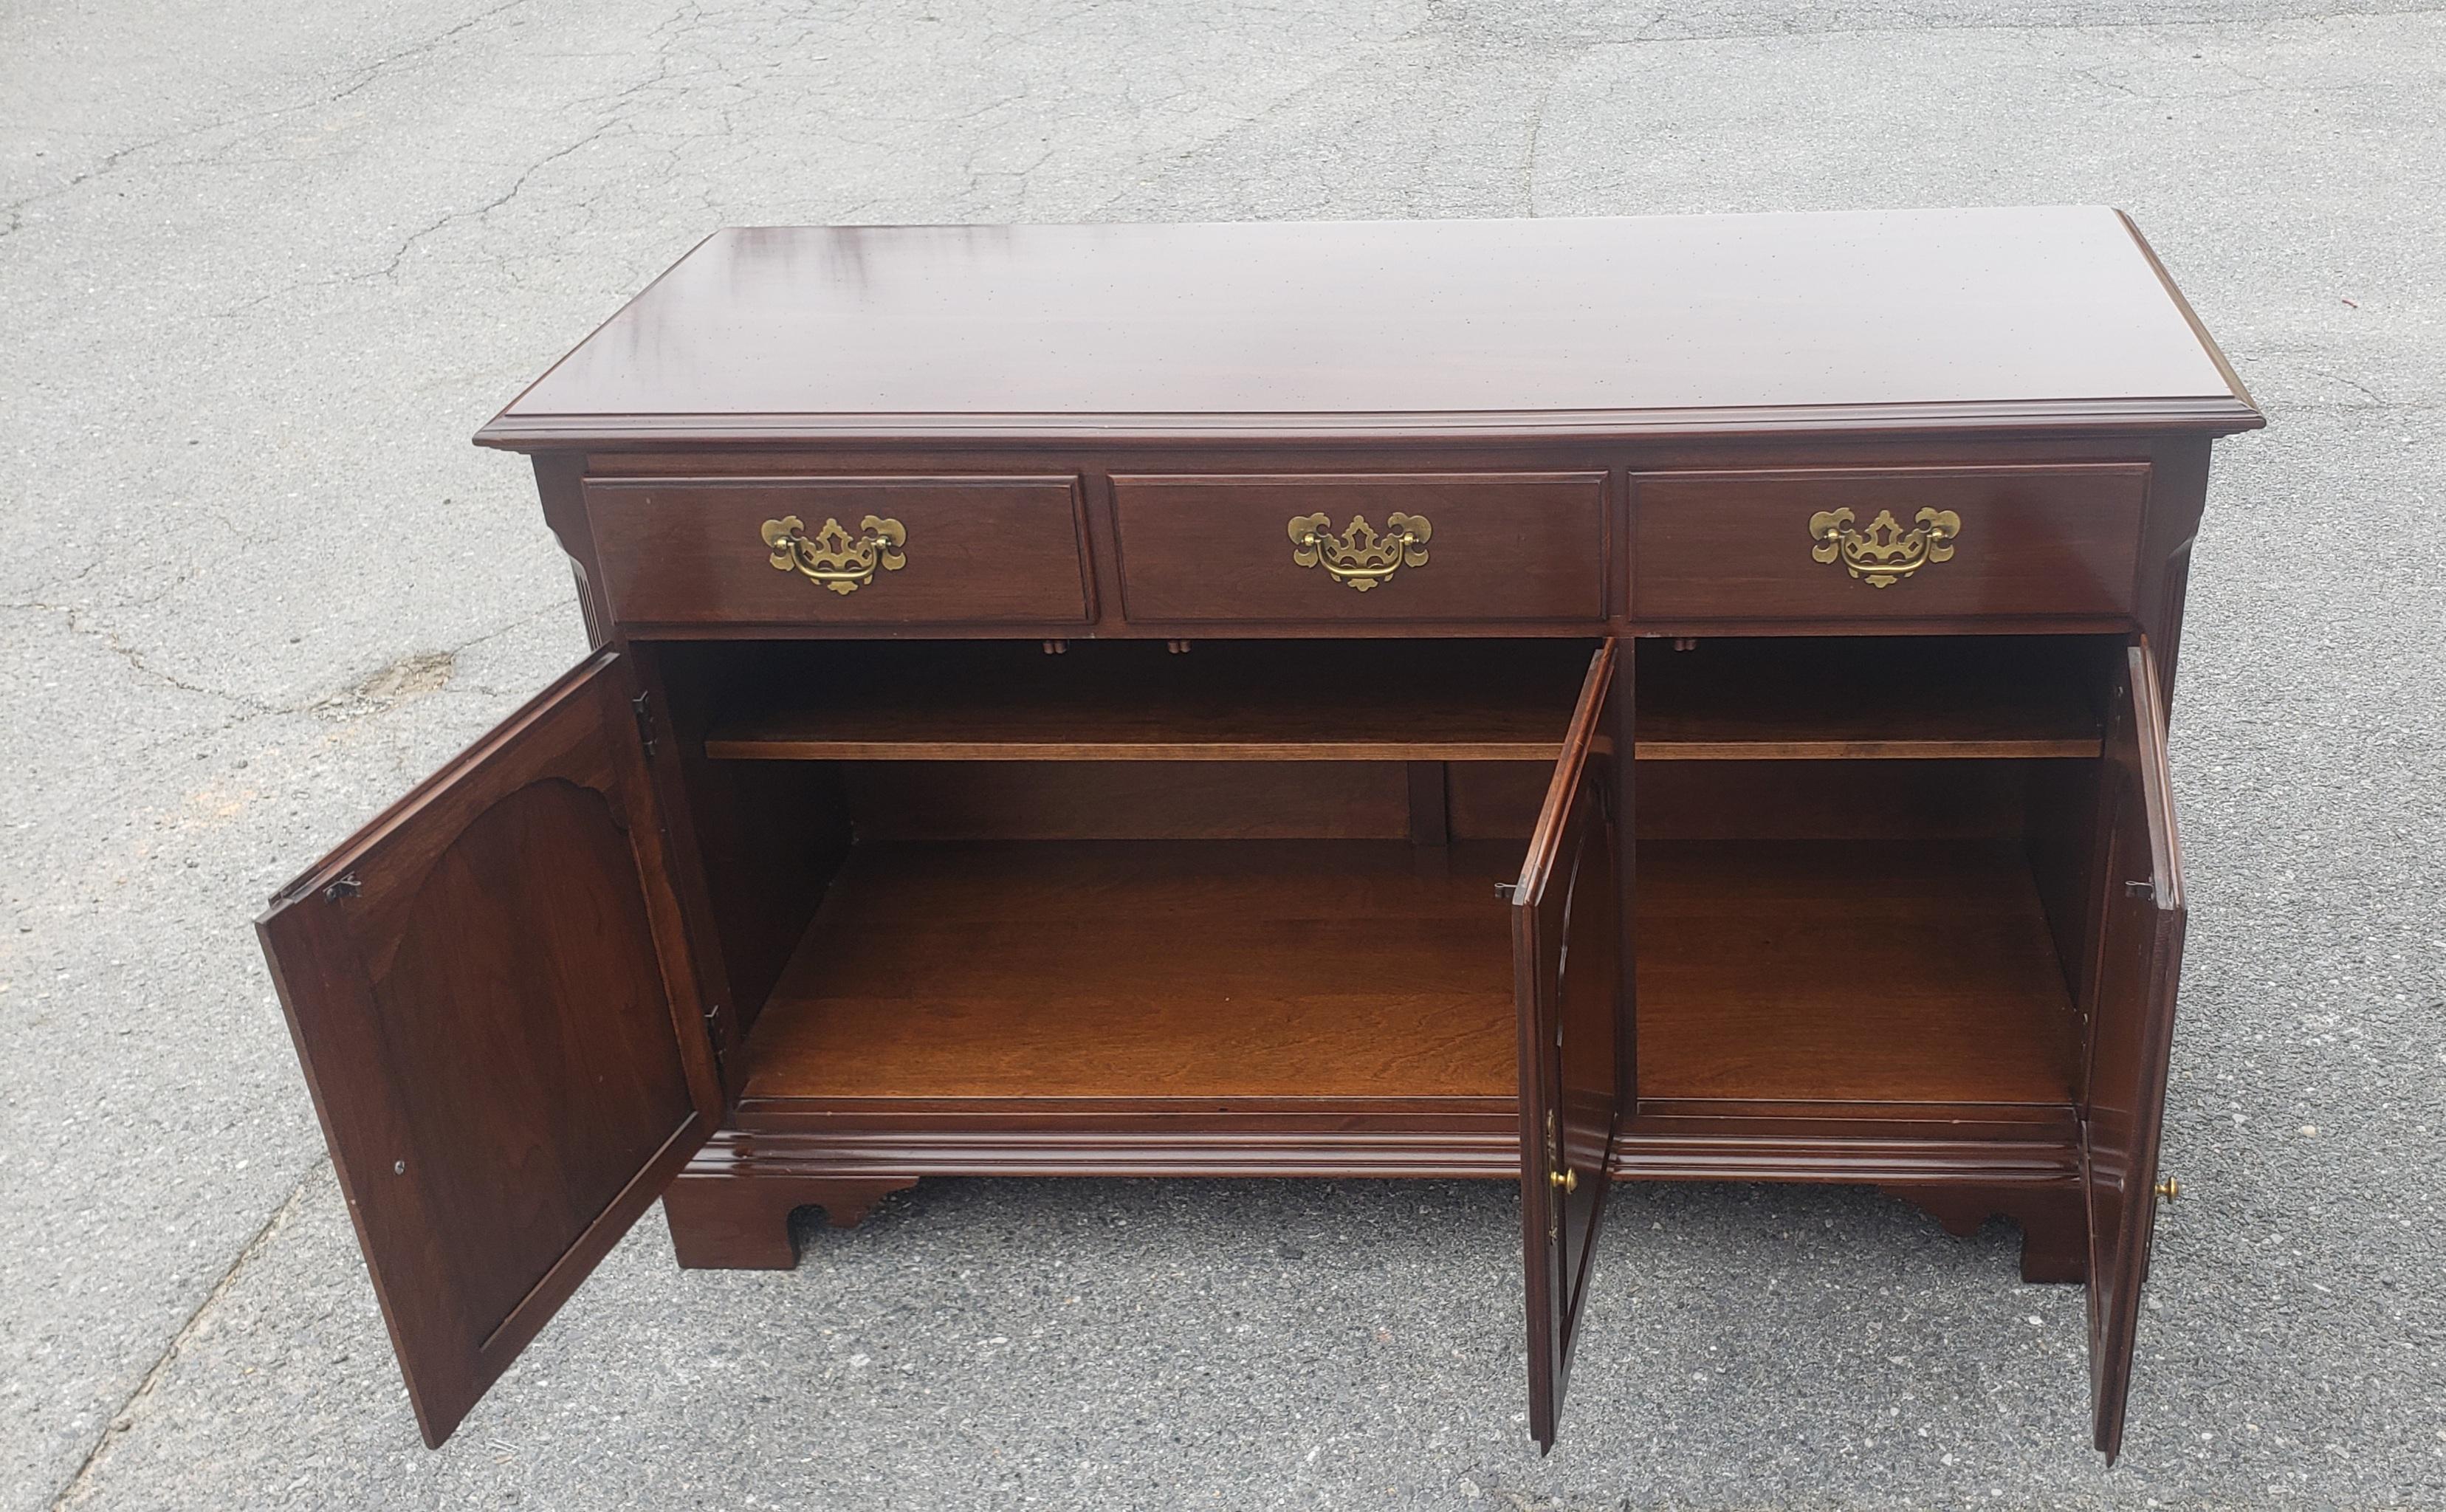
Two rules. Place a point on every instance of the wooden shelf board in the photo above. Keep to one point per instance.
(1131, 702)
(1141, 969)
(1732, 700)
(1848, 972)
(1837, 698)
(1877, 976)
(1815, 747)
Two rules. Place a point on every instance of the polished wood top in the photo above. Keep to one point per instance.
(1899, 320)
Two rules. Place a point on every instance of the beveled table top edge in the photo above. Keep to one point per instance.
(2217, 415)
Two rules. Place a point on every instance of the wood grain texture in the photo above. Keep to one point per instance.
(979, 550)
(2037, 541)
(1175, 968)
(1505, 547)
(506, 1071)
(1825, 972)
(1918, 320)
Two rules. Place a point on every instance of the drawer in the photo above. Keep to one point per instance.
(974, 551)
(1334, 547)
(1887, 542)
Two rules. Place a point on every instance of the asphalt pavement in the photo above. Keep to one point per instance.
(262, 273)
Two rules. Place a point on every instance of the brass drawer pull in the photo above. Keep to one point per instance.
(1359, 556)
(1883, 554)
(1567, 1180)
(830, 556)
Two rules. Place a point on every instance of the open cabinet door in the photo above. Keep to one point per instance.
(489, 994)
(2132, 1031)
(1568, 975)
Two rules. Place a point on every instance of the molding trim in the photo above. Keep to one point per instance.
(2215, 414)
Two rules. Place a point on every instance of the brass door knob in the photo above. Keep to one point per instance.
(2170, 1189)
(1567, 1180)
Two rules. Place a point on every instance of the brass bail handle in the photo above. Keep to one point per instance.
(832, 558)
(1357, 555)
(1885, 553)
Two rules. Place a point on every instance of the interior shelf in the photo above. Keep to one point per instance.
(1858, 972)
(1841, 974)
(1132, 701)
(1150, 969)
(1732, 699)
(1801, 699)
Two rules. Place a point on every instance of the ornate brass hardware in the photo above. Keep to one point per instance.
(1567, 1180)
(1883, 554)
(2170, 1189)
(1359, 556)
(830, 556)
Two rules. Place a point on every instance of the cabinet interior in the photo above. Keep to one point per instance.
(1262, 872)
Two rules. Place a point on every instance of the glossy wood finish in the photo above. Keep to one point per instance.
(1504, 547)
(2138, 963)
(1885, 873)
(491, 1000)
(1848, 972)
(2035, 541)
(1242, 701)
(1667, 325)
(978, 551)
(1064, 970)
(1570, 1010)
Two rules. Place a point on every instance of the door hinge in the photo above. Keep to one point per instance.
(642, 706)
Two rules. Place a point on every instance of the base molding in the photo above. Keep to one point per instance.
(731, 1207)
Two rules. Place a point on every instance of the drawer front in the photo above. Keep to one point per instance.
(978, 551)
(1354, 547)
(1886, 543)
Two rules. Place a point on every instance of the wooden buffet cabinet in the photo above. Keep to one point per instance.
(1154, 700)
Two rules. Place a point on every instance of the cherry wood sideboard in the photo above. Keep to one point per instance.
(1576, 702)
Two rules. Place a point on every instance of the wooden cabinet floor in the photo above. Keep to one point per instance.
(1568, 702)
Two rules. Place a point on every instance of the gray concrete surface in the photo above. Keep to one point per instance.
(260, 275)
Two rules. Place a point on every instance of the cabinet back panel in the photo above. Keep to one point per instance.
(1831, 800)
(1154, 970)
(1129, 800)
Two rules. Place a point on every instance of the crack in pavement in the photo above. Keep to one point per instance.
(122, 1419)
(366, 76)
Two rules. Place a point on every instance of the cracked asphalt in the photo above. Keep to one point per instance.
(262, 272)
